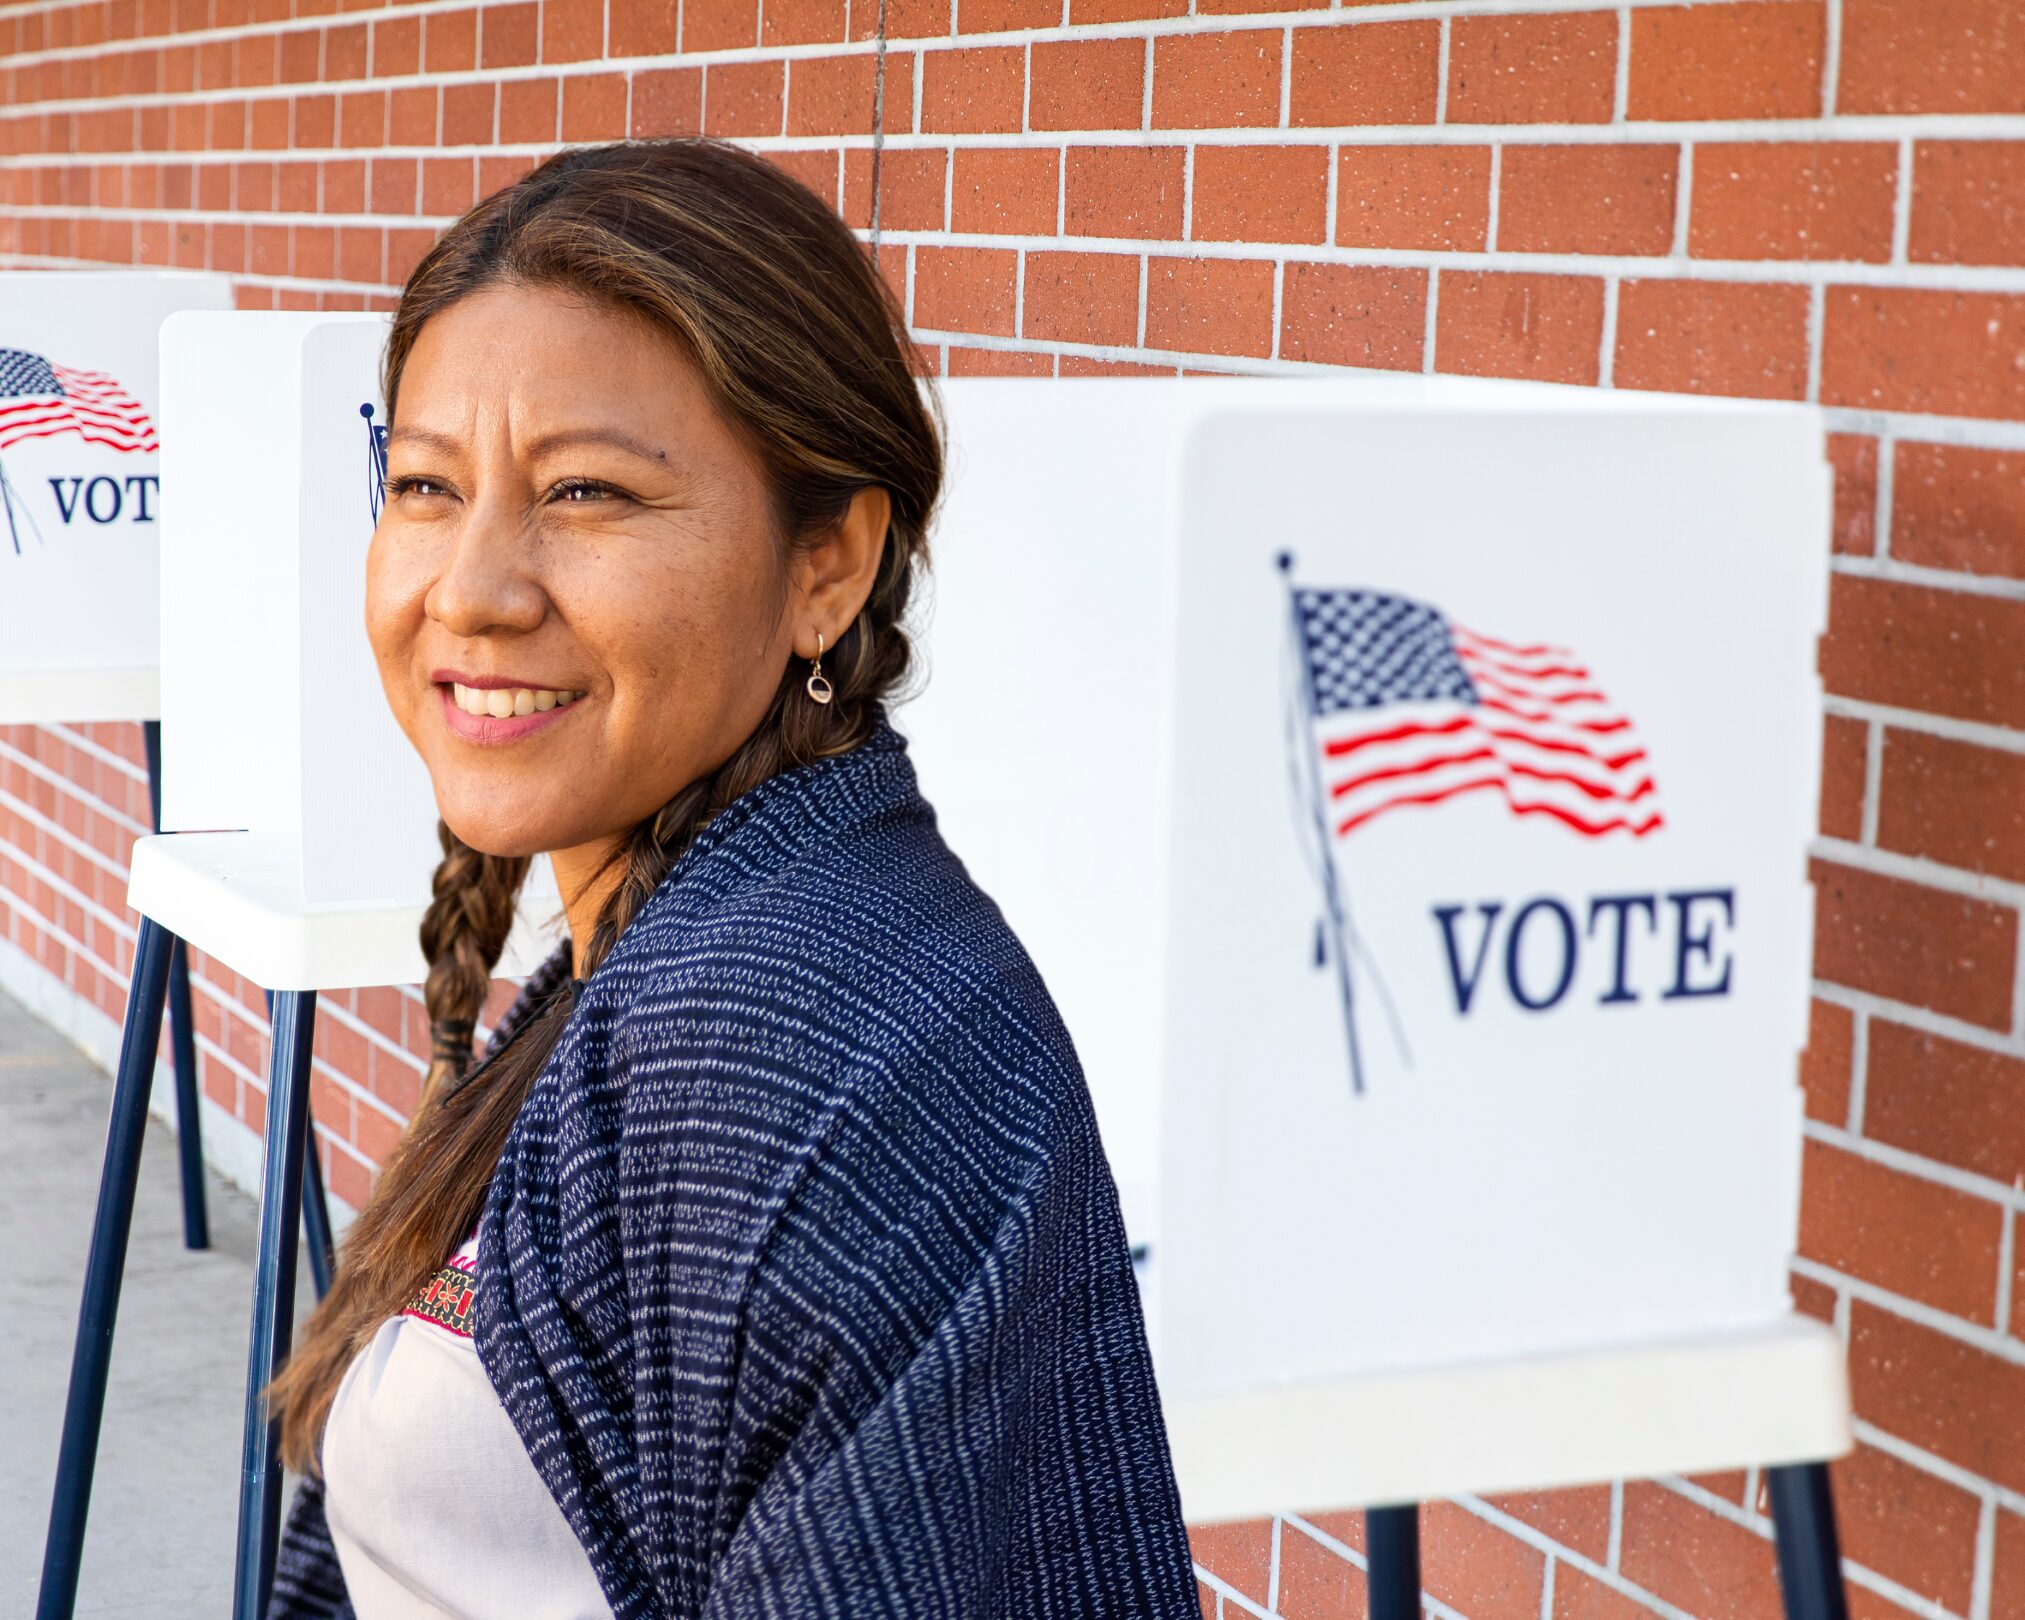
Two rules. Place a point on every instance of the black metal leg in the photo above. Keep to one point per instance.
(1810, 1561)
(182, 1040)
(315, 1202)
(260, 1474)
(1392, 1560)
(104, 1270)
(316, 1215)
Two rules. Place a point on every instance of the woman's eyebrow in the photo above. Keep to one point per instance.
(565, 437)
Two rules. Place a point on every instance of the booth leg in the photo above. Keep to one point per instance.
(182, 1040)
(315, 1203)
(189, 1126)
(1810, 1560)
(260, 1474)
(1392, 1559)
(316, 1216)
(104, 1270)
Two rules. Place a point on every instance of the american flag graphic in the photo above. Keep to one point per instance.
(1411, 708)
(39, 397)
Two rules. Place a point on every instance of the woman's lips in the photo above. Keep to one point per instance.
(488, 728)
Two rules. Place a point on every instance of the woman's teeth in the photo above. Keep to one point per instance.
(502, 702)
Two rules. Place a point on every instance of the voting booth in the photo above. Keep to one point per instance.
(80, 488)
(80, 515)
(1404, 787)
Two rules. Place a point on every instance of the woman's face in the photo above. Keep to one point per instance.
(572, 592)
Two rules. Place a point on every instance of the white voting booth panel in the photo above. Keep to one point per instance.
(80, 506)
(300, 825)
(1512, 804)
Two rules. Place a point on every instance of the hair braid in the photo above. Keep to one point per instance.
(463, 934)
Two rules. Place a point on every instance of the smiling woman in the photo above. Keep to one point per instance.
(768, 1263)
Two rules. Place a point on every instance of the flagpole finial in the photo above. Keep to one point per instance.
(366, 411)
(1286, 562)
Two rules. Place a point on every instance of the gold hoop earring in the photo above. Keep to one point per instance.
(819, 683)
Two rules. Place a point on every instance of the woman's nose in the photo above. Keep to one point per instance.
(487, 582)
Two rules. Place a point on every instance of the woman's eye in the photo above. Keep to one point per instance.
(583, 489)
(414, 484)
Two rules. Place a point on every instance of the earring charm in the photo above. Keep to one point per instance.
(818, 682)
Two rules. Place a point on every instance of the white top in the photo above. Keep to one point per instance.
(434, 1505)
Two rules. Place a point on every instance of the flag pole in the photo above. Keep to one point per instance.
(7, 497)
(1338, 911)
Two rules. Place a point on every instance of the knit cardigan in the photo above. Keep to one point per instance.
(802, 1275)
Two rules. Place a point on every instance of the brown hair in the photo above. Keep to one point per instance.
(807, 354)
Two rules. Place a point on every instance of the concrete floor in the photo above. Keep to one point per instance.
(165, 1497)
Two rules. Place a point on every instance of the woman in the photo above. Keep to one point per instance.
(769, 1263)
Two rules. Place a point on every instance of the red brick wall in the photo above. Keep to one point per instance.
(1798, 199)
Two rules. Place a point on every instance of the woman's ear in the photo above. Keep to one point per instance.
(835, 577)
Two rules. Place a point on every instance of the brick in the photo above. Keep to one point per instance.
(573, 30)
(1915, 647)
(1811, 1298)
(910, 188)
(1476, 1568)
(2007, 1586)
(1708, 1566)
(1577, 1518)
(1238, 1552)
(974, 91)
(1844, 757)
(1431, 198)
(508, 36)
(1134, 191)
(594, 107)
(1011, 190)
(966, 290)
(999, 16)
(1931, 56)
(1216, 80)
(1946, 1100)
(1968, 203)
(744, 98)
(1827, 1061)
(1082, 297)
(803, 22)
(1907, 1525)
(1760, 60)
(1369, 73)
(1900, 1232)
(966, 362)
(1910, 943)
(469, 113)
(1260, 194)
(647, 28)
(1587, 199)
(1547, 69)
(667, 101)
(1316, 1582)
(1914, 349)
(1959, 507)
(1210, 306)
(527, 111)
(1713, 337)
(831, 95)
(1854, 458)
(1545, 328)
(1354, 315)
(1793, 200)
(1950, 1398)
(1582, 1597)
(1953, 802)
(449, 41)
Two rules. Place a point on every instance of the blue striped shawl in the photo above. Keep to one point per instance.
(803, 1275)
